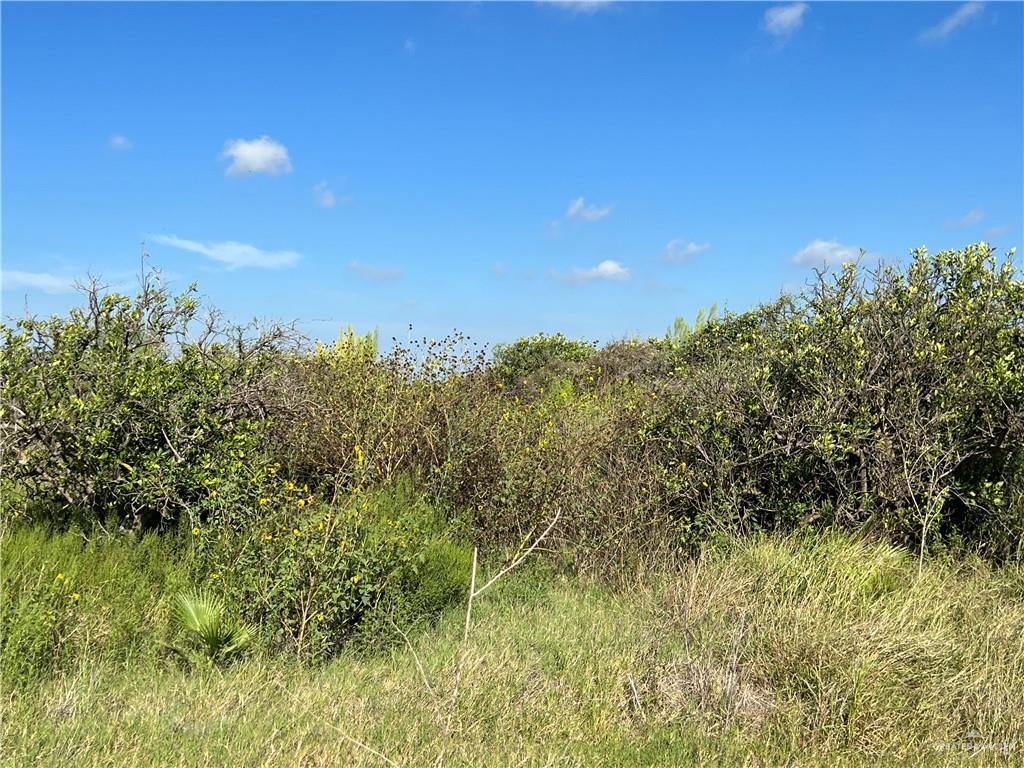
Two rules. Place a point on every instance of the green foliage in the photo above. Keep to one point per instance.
(70, 598)
(200, 613)
(803, 651)
(891, 399)
(332, 492)
(681, 330)
(309, 574)
(537, 357)
(129, 408)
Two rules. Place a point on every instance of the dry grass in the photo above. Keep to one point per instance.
(823, 652)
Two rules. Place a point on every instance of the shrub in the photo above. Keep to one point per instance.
(891, 399)
(200, 614)
(539, 358)
(128, 408)
(308, 574)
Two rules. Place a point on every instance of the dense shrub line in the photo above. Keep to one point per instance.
(319, 487)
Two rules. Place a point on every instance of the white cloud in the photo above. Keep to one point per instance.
(231, 254)
(581, 6)
(969, 219)
(13, 280)
(120, 143)
(579, 210)
(998, 231)
(945, 28)
(680, 250)
(377, 274)
(606, 270)
(783, 20)
(262, 155)
(323, 195)
(827, 252)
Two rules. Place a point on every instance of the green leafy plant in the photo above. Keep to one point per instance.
(131, 409)
(200, 614)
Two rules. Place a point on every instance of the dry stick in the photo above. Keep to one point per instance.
(415, 657)
(474, 593)
(341, 733)
(508, 568)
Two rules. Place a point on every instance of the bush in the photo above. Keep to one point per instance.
(538, 358)
(891, 399)
(129, 408)
(309, 574)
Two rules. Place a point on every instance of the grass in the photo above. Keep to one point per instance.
(823, 651)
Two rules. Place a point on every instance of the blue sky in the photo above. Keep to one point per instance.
(503, 169)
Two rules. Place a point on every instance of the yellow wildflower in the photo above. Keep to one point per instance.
(269, 537)
(264, 501)
(196, 531)
(355, 579)
(60, 577)
(320, 617)
(75, 596)
(359, 454)
(296, 532)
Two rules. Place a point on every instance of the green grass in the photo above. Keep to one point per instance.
(824, 651)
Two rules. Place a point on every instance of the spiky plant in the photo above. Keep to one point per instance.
(201, 614)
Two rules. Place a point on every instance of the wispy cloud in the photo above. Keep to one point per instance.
(231, 254)
(969, 219)
(958, 18)
(580, 6)
(44, 282)
(827, 252)
(998, 231)
(579, 210)
(681, 250)
(323, 195)
(262, 155)
(409, 46)
(377, 274)
(606, 270)
(120, 143)
(781, 21)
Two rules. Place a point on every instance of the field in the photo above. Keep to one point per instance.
(787, 536)
(768, 651)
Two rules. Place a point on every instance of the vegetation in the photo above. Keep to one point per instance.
(810, 650)
(792, 534)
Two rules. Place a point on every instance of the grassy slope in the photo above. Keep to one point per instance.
(825, 651)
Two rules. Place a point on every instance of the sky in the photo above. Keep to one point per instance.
(502, 169)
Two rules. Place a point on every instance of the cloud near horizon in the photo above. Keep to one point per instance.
(232, 254)
(580, 6)
(46, 282)
(608, 269)
(681, 250)
(781, 21)
(945, 28)
(262, 155)
(969, 219)
(827, 252)
(578, 209)
(323, 195)
(120, 143)
(376, 274)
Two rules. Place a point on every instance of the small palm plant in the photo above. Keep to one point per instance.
(201, 614)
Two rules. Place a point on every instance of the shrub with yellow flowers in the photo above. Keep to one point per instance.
(307, 573)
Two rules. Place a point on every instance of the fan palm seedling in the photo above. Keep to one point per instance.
(200, 614)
